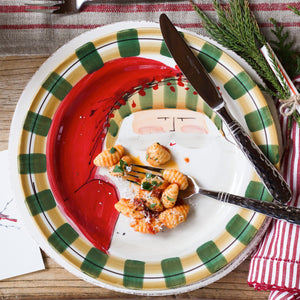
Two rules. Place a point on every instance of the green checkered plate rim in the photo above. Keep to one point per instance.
(85, 55)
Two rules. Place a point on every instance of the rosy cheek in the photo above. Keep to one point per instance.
(194, 129)
(150, 129)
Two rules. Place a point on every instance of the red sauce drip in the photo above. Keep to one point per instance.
(76, 137)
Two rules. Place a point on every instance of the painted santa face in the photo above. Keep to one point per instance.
(168, 120)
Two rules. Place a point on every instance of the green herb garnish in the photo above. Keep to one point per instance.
(118, 169)
(170, 199)
(238, 30)
(112, 150)
(121, 167)
(146, 185)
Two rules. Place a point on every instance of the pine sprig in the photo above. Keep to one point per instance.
(238, 30)
(289, 57)
(283, 48)
(294, 9)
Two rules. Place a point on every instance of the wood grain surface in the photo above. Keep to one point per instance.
(55, 282)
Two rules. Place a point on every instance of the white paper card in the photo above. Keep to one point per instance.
(19, 254)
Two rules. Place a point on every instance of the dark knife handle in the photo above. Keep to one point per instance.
(266, 171)
(274, 210)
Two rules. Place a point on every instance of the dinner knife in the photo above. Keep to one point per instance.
(201, 81)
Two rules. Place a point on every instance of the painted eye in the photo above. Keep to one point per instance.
(163, 118)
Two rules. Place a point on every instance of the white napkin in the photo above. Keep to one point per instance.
(19, 254)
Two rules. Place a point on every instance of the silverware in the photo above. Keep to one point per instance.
(195, 72)
(56, 6)
(273, 210)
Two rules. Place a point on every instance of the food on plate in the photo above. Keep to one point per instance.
(156, 202)
(129, 209)
(175, 176)
(150, 225)
(157, 155)
(119, 168)
(169, 195)
(149, 199)
(109, 157)
(173, 216)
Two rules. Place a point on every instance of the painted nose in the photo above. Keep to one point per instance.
(171, 124)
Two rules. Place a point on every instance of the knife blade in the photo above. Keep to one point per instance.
(201, 81)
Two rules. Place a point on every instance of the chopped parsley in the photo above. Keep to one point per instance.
(120, 168)
(170, 199)
(112, 150)
(146, 185)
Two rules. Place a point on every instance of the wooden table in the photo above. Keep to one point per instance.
(55, 282)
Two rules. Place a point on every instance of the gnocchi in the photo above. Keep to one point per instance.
(147, 225)
(156, 203)
(109, 157)
(169, 195)
(119, 168)
(129, 209)
(157, 154)
(150, 200)
(175, 176)
(174, 216)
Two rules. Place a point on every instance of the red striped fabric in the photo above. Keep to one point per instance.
(23, 32)
(128, 8)
(276, 264)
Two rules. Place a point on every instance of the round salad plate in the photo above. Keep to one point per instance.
(118, 84)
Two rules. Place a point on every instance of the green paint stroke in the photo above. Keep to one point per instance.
(94, 262)
(63, 237)
(241, 229)
(128, 43)
(211, 256)
(89, 57)
(173, 272)
(40, 202)
(134, 274)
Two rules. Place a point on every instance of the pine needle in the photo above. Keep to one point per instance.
(237, 30)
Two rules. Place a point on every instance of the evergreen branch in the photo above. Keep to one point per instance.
(294, 9)
(289, 58)
(238, 30)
